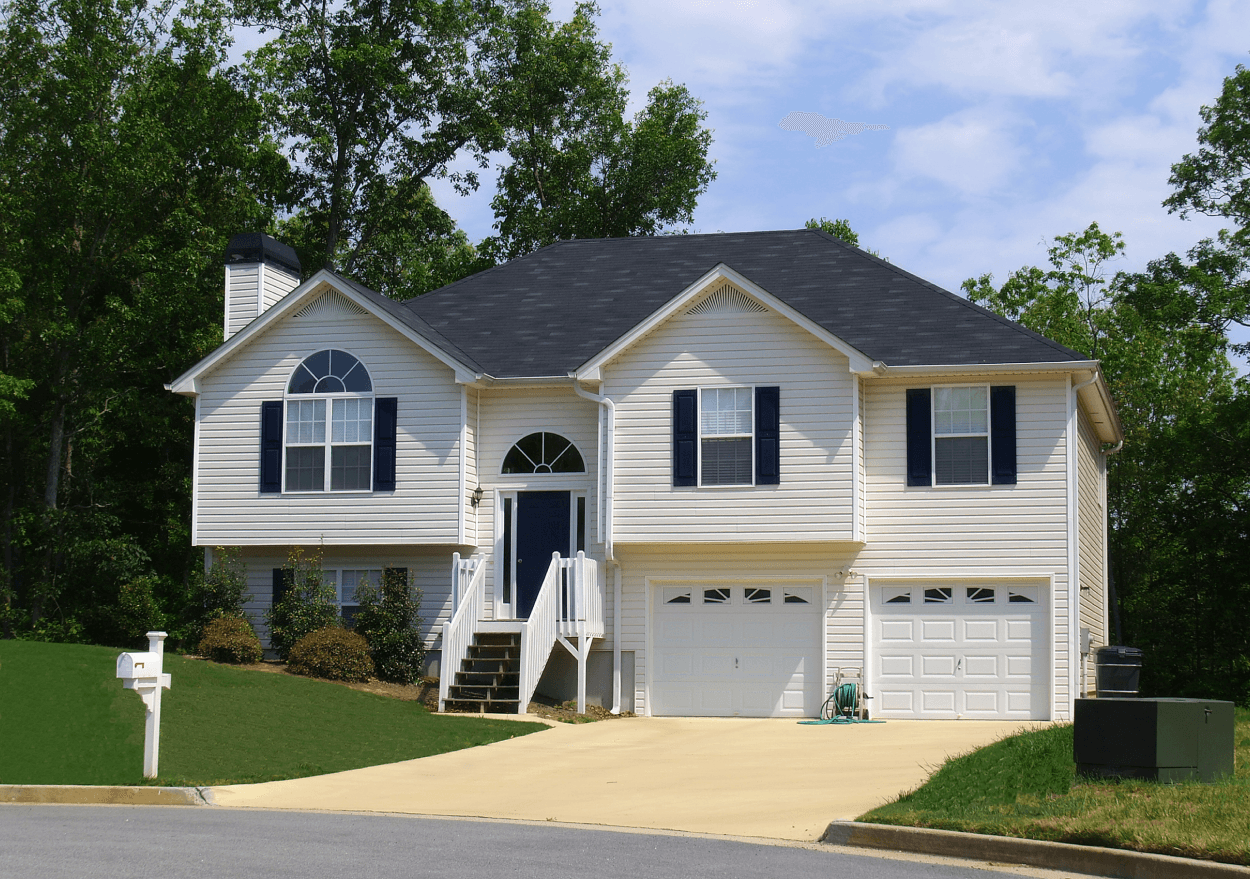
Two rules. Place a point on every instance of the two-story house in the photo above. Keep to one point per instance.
(687, 475)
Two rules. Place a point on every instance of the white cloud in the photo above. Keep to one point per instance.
(974, 151)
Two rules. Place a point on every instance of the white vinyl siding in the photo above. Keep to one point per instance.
(242, 282)
(1091, 540)
(726, 350)
(252, 288)
(810, 566)
(974, 531)
(425, 504)
(278, 283)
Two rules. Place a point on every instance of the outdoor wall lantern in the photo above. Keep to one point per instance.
(143, 673)
(477, 497)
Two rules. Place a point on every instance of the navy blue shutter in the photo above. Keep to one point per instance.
(919, 437)
(768, 436)
(281, 582)
(271, 446)
(1003, 434)
(385, 415)
(685, 437)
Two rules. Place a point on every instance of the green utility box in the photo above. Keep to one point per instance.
(1160, 739)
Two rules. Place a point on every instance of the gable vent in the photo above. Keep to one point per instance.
(727, 299)
(330, 305)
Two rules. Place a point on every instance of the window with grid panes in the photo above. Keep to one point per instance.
(329, 425)
(726, 417)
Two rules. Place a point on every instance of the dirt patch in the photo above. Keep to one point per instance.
(566, 712)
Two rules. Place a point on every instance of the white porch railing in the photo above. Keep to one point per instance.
(468, 602)
(569, 605)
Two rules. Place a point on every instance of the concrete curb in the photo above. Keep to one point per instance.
(92, 795)
(1091, 860)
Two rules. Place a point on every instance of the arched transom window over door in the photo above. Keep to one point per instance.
(543, 453)
(329, 424)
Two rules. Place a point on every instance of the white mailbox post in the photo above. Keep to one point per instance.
(143, 673)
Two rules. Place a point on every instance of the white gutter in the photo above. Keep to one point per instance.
(608, 455)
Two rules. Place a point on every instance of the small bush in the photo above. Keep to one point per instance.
(333, 653)
(388, 619)
(307, 606)
(230, 639)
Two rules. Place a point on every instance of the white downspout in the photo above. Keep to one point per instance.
(605, 521)
(1074, 553)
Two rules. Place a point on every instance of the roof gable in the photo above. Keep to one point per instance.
(325, 293)
(720, 289)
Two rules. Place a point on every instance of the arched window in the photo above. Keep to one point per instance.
(543, 453)
(329, 386)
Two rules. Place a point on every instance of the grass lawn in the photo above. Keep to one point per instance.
(65, 719)
(1026, 786)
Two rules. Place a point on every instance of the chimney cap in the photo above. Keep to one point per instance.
(254, 247)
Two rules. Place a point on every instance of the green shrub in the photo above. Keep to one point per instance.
(307, 606)
(230, 639)
(388, 619)
(333, 653)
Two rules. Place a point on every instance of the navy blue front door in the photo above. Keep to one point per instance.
(542, 527)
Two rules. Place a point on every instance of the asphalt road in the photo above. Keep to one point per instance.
(119, 842)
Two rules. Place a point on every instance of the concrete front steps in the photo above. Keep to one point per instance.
(489, 679)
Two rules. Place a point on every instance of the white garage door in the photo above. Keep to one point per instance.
(974, 651)
(733, 650)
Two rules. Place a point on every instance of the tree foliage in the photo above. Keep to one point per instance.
(579, 168)
(1178, 493)
(137, 154)
(373, 98)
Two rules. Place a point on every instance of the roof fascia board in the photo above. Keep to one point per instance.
(541, 381)
(884, 370)
(591, 370)
(187, 384)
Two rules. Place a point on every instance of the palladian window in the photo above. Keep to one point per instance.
(329, 425)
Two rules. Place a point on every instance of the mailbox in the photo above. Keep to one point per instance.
(138, 665)
(144, 673)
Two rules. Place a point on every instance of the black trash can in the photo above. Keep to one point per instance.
(1119, 671)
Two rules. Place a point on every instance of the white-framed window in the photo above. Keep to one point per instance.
(329, 425)
(344, 581)
(726, 436)
(961, 435)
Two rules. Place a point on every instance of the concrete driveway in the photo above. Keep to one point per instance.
(766, 778)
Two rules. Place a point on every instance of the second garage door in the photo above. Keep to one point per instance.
(732, 650)
(960, 650)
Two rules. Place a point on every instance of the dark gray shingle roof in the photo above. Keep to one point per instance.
(547, 313)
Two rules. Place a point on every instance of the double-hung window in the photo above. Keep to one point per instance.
(727, 436)
(330, 433)
(329, 425)
(726, 418)
(961, 435)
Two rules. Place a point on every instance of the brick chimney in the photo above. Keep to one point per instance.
(260, 270)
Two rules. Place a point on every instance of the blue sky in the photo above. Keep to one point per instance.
(1009, 123)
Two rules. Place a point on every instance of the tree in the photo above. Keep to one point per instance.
(578, 168)
(1178, 493)
(137, 156)
(840, 229)
(374, 98)
(1216, 179)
